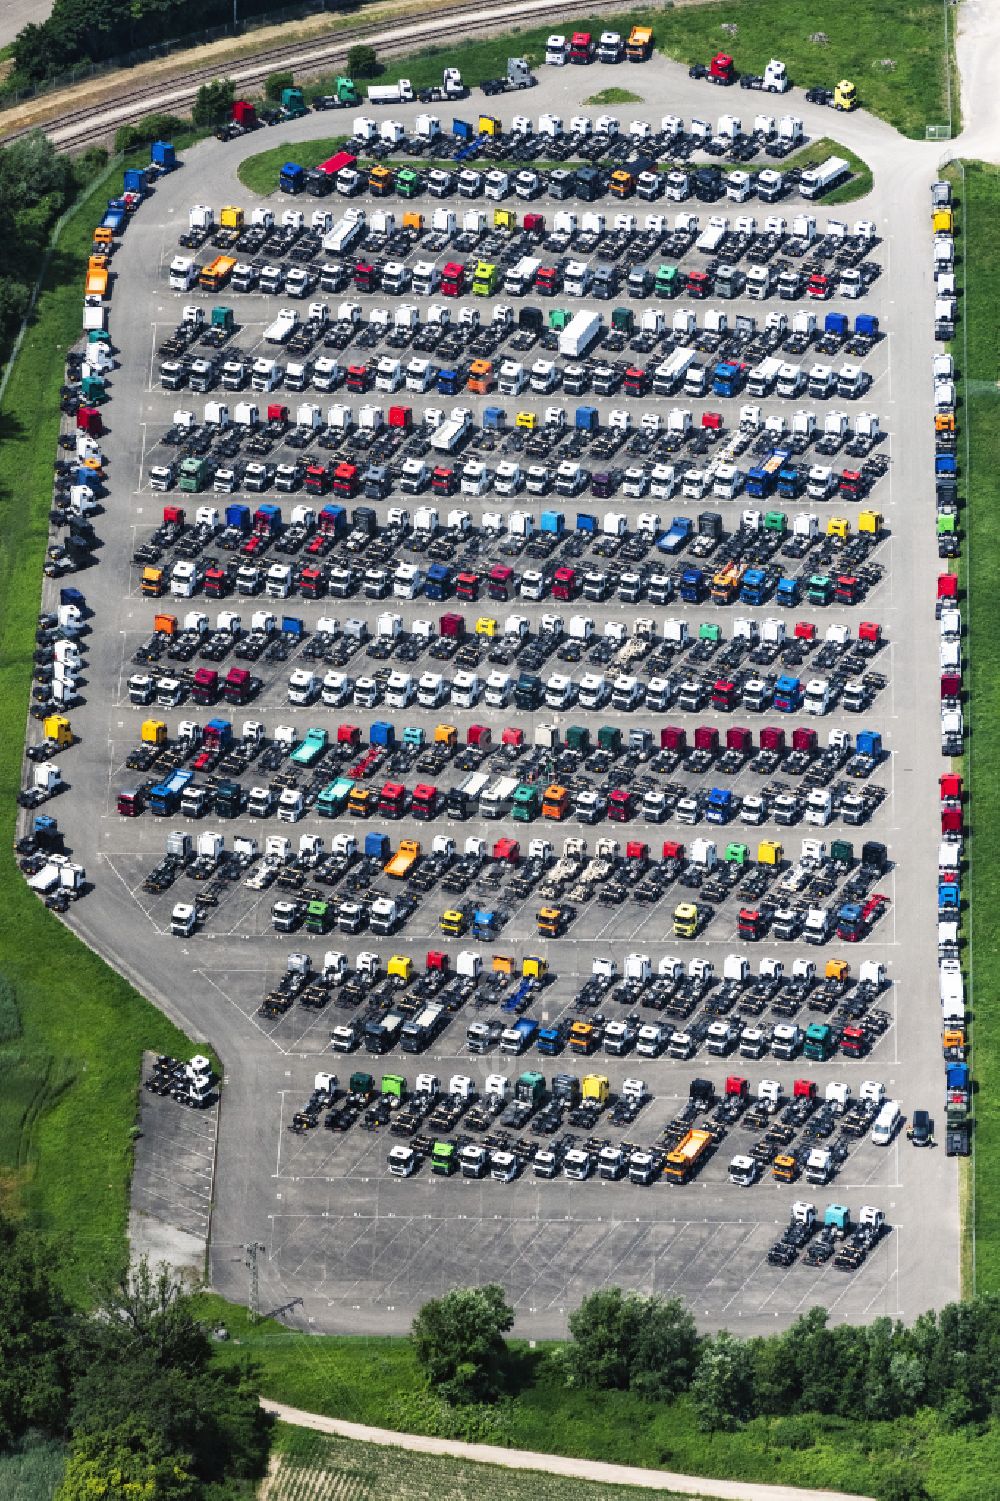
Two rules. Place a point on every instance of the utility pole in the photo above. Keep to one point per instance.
(250, 1262)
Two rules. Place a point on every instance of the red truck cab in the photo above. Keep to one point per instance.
(424, 801)
(565, 583)
(721, 69)
(131, 803)
(205, 685)
(500, 583)
(239, 686)
(392, 800)
(621, 805)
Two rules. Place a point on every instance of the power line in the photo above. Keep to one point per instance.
(250, 1262)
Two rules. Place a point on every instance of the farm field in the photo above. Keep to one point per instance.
(310, 1466)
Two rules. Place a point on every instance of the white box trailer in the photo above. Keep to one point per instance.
(400, 92)
(580, 334)
(820, 180)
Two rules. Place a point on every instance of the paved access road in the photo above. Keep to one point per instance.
(16, 14)
(362, 1250)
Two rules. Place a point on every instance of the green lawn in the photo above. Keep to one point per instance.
(312, 1466)
(259, 173)
(863, 38)
(68, 1080)
(614, 96)
(977, 357)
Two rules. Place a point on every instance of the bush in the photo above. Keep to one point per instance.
(149, 128)
(213, 102)
(629, 1342)
(88, 165)
(362, 62)
(459, 1341)
(274, 83)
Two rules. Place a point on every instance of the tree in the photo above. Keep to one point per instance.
(275, 83)
(34, 1372)
(144, 1358)
(720, 1389)
(626, 1341)
(362, 62)
(459, 1341)
(213, 102)
(127, 1464)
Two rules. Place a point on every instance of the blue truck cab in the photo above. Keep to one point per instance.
(680, 530)
(788, 694)
(753, 589)
(693, 586)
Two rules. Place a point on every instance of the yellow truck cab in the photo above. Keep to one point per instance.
(685, 920)
(845, 95)
(484, 279)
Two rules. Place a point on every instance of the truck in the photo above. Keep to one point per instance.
(580, 334)
(688, 1155)
(639, 47)
(418, 1033)
(400, 92)
(382, 1033)
(215, 275)
(763, 376)
(668, 375)
(828, 175)
(404, 860)
(183, 273)
(495, 800)
(762, 479)
(447, 437)
(281, 329)
(521, 277)
(517, 1038)
(165, 796)
(464, 799)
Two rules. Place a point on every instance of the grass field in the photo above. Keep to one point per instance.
(895, 50)
(614, 96)
(861, 38)
(377, 1381)
(32, 1470)
(317, 1467)
(977, 357)
(68, 1078)
(259, 173)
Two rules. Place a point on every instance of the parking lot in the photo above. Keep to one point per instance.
(728, 720)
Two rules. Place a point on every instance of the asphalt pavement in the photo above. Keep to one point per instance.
(390, 1244)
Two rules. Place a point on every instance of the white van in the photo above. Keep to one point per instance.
(887, 1123)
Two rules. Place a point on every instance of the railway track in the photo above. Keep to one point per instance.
(77, 129)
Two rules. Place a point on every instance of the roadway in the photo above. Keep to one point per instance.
(16, 14)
